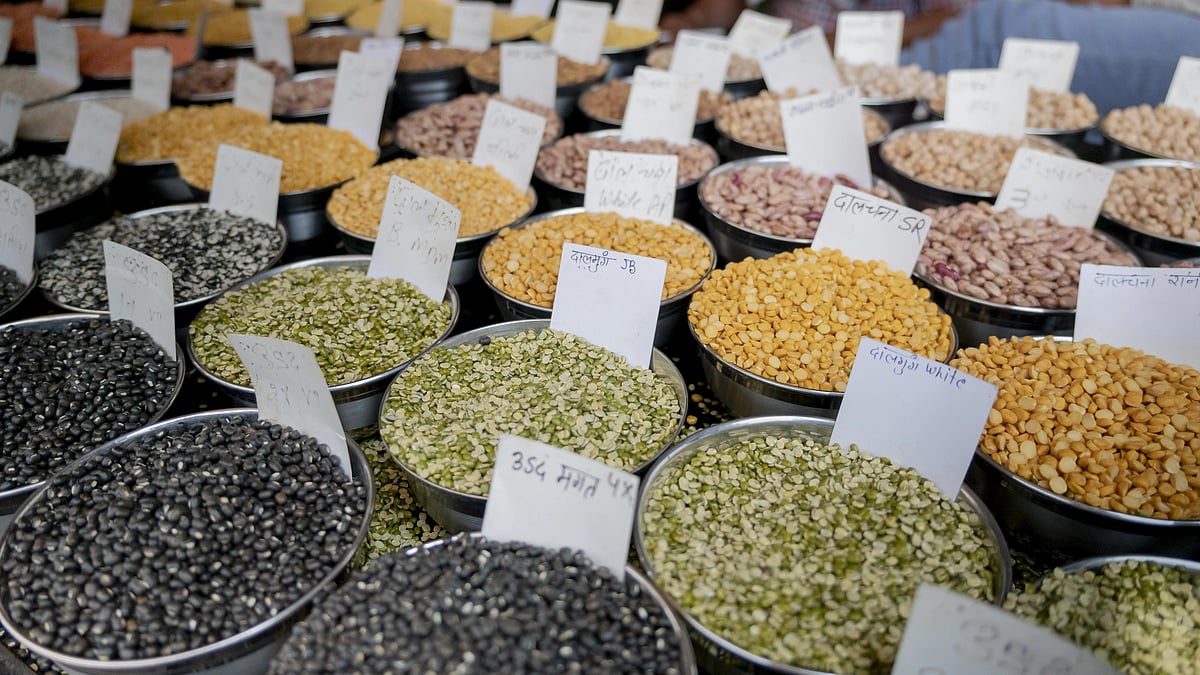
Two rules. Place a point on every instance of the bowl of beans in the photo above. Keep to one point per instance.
(1152, 206)
(1156, 132)
(483, 72)
(603, 105)
(450, 129)
(228, 35)
(209, 82)
(609, 410)
(429, 73)
(743, 77)
(625, 47)
(109, 59)
(891, 91)
(45, 128)
(1063, 117)
(560, 172)
(306, 97)
(200, 498)
(13, 291)
(520, 265)
(320, 49)
(778, 336)
(362, 330)
(1090, 448)
(999, 273)
(788, 555)
(487, 200)
(66, 198)
(414, 16)
(32, 86)
(761, 206)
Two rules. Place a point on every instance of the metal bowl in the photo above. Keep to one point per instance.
(1072, 139)
(1155, 249)
(1114, 149)
(714, 653)
(58, 145)
(739, 89)
(20, 297)
(461, 512)
(671, 311)
(565, 95)
(408, 151)
(357, 402)
(731, 148)
(704, 130)
(11, 500)
(1096, 563)
(335, 31)
(148, 184)
(736, 242)
(896, 110)
(249, 651)
(66, 89)
(687, 204)
(622, 62)
(422, 88)
(313, 115)
(206, 99)
(56, 224)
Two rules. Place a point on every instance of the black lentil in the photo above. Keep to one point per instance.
(69, 388)
(206, 250)
(473, 605)
(51, 182)
(10, 287)
(176, 540)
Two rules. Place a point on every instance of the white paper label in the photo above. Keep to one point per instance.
(579, 30)
(141, 290)
(948, 633)
(865, 227)
(824, 134)
(1125, 306)
(359, 96)
(59, 6)
(661, 105)
(528, 70)
(254, 88)
(869, 37)
(704, 55)
(631, 184)
(390, 18)
(1185, 85)
(1040, 184)
(6, 26)
(754, 31)
(272, 41)
(388, 49)
(471, 25)
(610, 299)
(638, 13)
(152, 76)
(917, 412)
(801, 62)
(57, 50)
(11, 106)
(246, 183)
(509, 139)
(532, 8)
(553, 498)
(18, 231)
(417, 233)
(114, 19)
(284, 7)
(986, 101)
(94, 138)
(291, 390)
(1045, 64)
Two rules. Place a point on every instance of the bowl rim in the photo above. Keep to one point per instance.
(940, 115)
(1096, 562)
(102, 185)
(604, 133)
(582, 84)
(1125, 145)
(629, 80)
(436, 109)
(81, 96)
(1123, 164)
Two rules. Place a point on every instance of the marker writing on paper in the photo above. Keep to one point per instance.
(278, 392)
(848, 203)
(903, 362)
(622, 488)
(832, 100)
(1022, 196)
(592, 262)
(531, 465)
(980, 641)
(1123, 280)
(431, 254)
(616, 199)
(130, 304)
(605, 167)
(579, 480)
(273, 358)
(1184, 279)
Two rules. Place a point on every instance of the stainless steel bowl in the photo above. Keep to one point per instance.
(357, 402)
(671, 311)
(714, 653)
(249, 651)
(731, 148)
(565, 95)
(739, 89)
(704, 130)
(56, 224)
(622, 62)
(897, 110)
(206, 99)
(423, 88)
(20, 297)
(458, 511)
(65, 91)
(11, 500)
(58, 145)
(1114, 149)
(1096, 563)
(409, 151)
(148, 184)
(1072, 139)
(1155, 249)
(315, 115)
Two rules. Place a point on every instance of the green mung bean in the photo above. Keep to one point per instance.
(356, 326)
(447, 410)
(808, 554)
(398, 523)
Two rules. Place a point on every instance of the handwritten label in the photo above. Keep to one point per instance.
(948, 633)
(284, 7)
(291, 390)
(417, 233)
(141, 290)
(388, 49)
(57, 50)
(661, 105)
(471, 25)
(528, 70)
(869, 37)
(272, 40)
(915, 411)
(532, 8)
(548, 497)
(391, 15)
(94, 137)
(1126, 306)
(1184, 91)
(246, 183)
(152, 76)
(1040, 184)
(824, 134)
(631, 184)
(254, 88)
(114, 19)
(986, 101)
(6, 26)
(509, 139)
(638, 13)
(1044, 64)
(359, 95)
(579, 30)
(865, 227)
(11, 106)
(704, 55)
(801, 62)
(754, 31)
(18, 230)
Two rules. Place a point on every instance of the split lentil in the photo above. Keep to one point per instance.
(414, 14)
(1160, 200)
(398, 522)
(958, 160)
(740, 69)
(107, 56)
(486, 67)
(211, 78)
(171, 133)
(172, 14)
(1047, 110)
(50, 181)
(1110, 427)
(505, 26)
(757, 120)
(565, 162)
(55, 120)
(616, 36)
(32, 86)
(451, 129)
(232, 29)
(1161, 130)
(607, 102)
